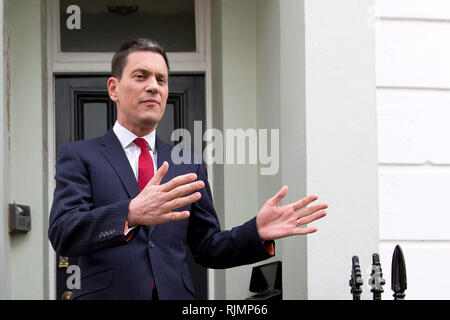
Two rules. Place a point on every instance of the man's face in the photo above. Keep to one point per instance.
(141, 94)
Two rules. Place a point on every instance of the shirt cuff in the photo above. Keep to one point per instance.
(127, 231)
(270, 247)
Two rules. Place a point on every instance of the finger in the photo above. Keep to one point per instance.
(278, 196)
(184, 189)
(303, 231)
(304, 202)
(311, 218)
(174, 216)
(178, 181)
(156, 180)
(182, 201)
(312, 209)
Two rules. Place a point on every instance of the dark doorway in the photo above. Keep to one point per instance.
(83, 110)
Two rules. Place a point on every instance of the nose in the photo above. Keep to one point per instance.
(152, 85)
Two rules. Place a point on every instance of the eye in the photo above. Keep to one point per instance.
(139, 76)
(161, 80)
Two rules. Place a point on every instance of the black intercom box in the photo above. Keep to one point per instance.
(19, 218)
(266, 282)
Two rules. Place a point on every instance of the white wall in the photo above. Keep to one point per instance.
(413, 99)
(26, 180)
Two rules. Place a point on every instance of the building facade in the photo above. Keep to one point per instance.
(303, 67)
(413, 111)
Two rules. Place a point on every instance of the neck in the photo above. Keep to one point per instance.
(139, 131)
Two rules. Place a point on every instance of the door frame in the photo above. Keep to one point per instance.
(85, 63)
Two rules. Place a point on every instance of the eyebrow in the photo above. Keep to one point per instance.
(146, 71)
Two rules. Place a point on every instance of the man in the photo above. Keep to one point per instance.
(129, 212)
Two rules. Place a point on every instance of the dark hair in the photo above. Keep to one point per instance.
(120, 57)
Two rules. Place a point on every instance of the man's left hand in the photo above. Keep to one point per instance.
(275, 222)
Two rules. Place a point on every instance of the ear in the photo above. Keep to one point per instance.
(112, 88)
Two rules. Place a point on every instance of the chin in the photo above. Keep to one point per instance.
(149, 123)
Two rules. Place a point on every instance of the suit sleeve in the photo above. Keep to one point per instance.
(75, 227)
(218, 249)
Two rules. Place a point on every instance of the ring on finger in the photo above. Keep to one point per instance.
(298, 221)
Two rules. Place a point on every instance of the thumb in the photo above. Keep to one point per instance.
(279, 196)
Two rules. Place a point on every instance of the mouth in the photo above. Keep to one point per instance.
(150, 102)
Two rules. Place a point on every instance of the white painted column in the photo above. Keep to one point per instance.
(234, 107)
(4, 287)
(315, 82)
(341, 141)
(328, 141)
(28, 252)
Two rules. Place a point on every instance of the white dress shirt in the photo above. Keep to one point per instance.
(132, 150)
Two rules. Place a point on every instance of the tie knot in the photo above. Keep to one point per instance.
(141, 143)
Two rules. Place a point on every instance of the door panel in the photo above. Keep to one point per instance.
(83, 110)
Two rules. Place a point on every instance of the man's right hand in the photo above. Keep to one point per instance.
(156, 202)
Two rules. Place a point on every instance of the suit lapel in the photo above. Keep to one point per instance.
(113, 152)
(164, 154)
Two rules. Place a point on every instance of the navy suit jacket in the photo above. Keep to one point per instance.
(94, 186)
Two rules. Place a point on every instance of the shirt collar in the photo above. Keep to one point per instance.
(126, 137)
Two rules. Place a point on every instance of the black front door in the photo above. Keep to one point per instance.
(83, 110)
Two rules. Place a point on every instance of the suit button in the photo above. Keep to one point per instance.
(151, 244)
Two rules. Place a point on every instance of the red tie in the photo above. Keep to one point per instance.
(146, 168)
